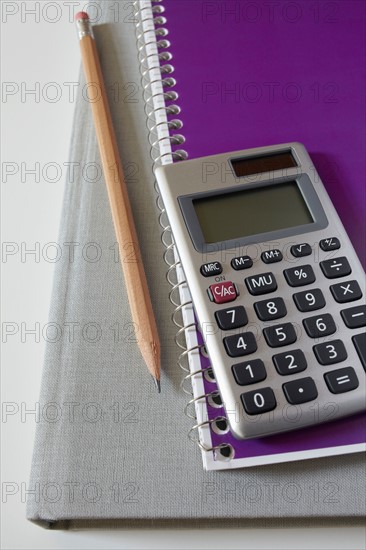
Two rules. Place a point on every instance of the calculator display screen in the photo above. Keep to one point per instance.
(257, 210)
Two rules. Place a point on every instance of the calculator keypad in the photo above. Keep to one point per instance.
(277, 335)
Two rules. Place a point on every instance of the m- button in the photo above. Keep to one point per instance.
(211, 269)
(223, 292)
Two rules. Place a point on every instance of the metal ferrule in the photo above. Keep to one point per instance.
(84, 28)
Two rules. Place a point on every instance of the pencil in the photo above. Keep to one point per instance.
(134, 274)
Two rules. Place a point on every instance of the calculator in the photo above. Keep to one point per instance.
(276, 284)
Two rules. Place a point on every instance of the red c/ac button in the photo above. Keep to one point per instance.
(223, 292)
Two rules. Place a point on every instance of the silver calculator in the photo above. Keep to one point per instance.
(276, 284)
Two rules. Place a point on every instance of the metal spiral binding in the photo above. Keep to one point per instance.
(168, 98)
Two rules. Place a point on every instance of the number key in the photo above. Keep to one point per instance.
(290, 362)
(270, 309)
(258, 401)
(240, 344)
(330, 352)
(249, 372)
(231, 318)
(280, 335)
(309, 300)
(320, 325)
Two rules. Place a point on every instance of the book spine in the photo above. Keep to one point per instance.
(164, 125)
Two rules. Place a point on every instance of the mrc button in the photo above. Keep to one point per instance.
(211, 269)
(223, 292)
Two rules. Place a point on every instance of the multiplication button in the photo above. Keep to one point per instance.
(346, 292)
(300, 276)
(258, 401)
(261, 284)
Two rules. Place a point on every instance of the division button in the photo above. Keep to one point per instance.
(339, 267)
(331, 243)
(300, 391)
(300, 276)
(341, 380)
(354, 317)
(271, 256)
(240, 344)
(241, 262)
(259, 401)
(330, 352)
(280, 335)
(309, 300)
(233, 317)
(261, 284)
(249, 372)
(300, 250)
(346, 292)
(320, 325)
(274, 308)
(359, 342)
(211, 269)
(223, 292)
(290, 362)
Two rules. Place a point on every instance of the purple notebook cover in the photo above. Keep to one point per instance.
(260, 73)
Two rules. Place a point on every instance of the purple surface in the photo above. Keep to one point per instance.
(260, 73)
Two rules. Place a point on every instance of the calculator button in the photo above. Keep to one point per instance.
(341, 380)
(300, 391)
(258, 401)
(270, 309)
(211, 269)
(339, 267)
(300, 250)
(354, 317)
(359, 342)
(223, 292)
(249, 372)
(330, 352)
(240, 344)
(300, 276)
(261, 284)
(346, 292)
(271, 256)
(231, 318)
(241, 262)
(290, 362)
(280, 335)
(330, 244)
(309, 300)
(320, 325)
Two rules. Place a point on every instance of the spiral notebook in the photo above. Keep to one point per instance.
(198, 103)
(109, 450)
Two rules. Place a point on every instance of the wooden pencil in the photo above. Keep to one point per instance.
(134, 274)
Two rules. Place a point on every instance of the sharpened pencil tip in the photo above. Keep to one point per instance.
(157, 383)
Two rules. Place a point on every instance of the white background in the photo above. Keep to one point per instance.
(37, 129)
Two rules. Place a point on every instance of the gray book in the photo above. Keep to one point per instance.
(110, 450)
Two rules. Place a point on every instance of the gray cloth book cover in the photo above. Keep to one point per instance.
(112, 451)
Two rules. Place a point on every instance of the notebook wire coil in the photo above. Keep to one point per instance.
(160, 100)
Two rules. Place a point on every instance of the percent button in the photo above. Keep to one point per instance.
(300, 276)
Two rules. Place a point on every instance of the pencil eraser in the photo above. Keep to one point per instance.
(81, 15)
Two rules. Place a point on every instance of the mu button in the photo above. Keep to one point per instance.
(223, 292)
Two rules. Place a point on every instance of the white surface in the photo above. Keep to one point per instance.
(35, 129)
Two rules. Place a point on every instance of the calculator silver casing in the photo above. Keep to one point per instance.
(186, 178)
